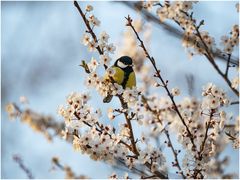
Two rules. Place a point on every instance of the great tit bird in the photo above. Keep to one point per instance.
(124, 74)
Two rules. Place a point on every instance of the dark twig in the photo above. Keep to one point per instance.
(177, 164)
(206, 134)
(202, 147)
(228, 65)
(88, 26)
(135, 169)
(19, 161)
(149, 177)
(234, 103)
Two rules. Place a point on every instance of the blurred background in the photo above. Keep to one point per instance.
(41, 50)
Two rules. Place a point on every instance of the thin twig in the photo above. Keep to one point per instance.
(175, 154)
(202, 147)
(19, 161)
(147, 106)
(228, 65)
(234, 103)
(206, 135)
(138, 171)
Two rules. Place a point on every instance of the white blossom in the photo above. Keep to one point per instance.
(93, 64)
(130, 96)
(86, 39)
(105, 59)
(235, 82)
(89, 8)
(175, 92)
(111, 71)
(104, 37)
(111, 48)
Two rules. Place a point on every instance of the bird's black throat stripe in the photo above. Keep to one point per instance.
(127, 72)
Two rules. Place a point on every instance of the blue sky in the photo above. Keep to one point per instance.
(41, 51)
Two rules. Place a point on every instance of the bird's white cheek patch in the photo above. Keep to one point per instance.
(121, 65)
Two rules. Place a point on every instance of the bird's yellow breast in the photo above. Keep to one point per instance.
(131, 82)
(118, 77)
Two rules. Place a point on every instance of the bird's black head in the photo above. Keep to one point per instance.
(124, 62)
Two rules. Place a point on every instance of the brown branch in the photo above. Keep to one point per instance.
(132, 139)
(148, 177)
(205, 136)
(134, 148)
(88, 26)
(164, 83)
(200, 153)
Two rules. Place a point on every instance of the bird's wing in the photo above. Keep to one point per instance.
(118, 76)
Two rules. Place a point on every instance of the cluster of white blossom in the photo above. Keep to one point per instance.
(89, 135)
(97, 44)
(179, 12)
(230, 42)
(105, 87)
(200, 116)
(130, 96)
(40, 123)
(102, 142)
(156, 156)
(214, 97)
(207, 130)
(173, 10)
